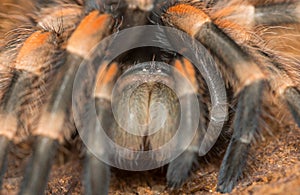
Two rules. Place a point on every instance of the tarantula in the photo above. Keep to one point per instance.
(42, 53)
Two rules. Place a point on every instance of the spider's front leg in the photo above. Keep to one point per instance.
(92, 29)
(245, 76)
(180, 168)
(96, 172)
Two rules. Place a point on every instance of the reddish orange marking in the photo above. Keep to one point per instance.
(179, 67)
(91, 23)
(185, 9)
(190, 71)
(106, 75)
(32, 43)
(89, 32)
(186, 18)
(101, 73)
(187, 70)
(110, 74)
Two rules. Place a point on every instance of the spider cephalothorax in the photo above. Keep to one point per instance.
(41, 54)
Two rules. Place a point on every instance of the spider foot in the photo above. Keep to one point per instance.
(179, 169)
(232, 165)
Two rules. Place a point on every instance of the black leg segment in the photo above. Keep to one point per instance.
(36, 174)
(246, 125)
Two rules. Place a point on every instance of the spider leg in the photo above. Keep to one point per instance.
(180, 168)
(92, 29)
(246, 125)
(35, 49)
(37, 171)
(23, 77)
(275, 14)
(96, 175)
(248, 85)
(283, 82)
(96, 172)
(10, 105)
(5, 135)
